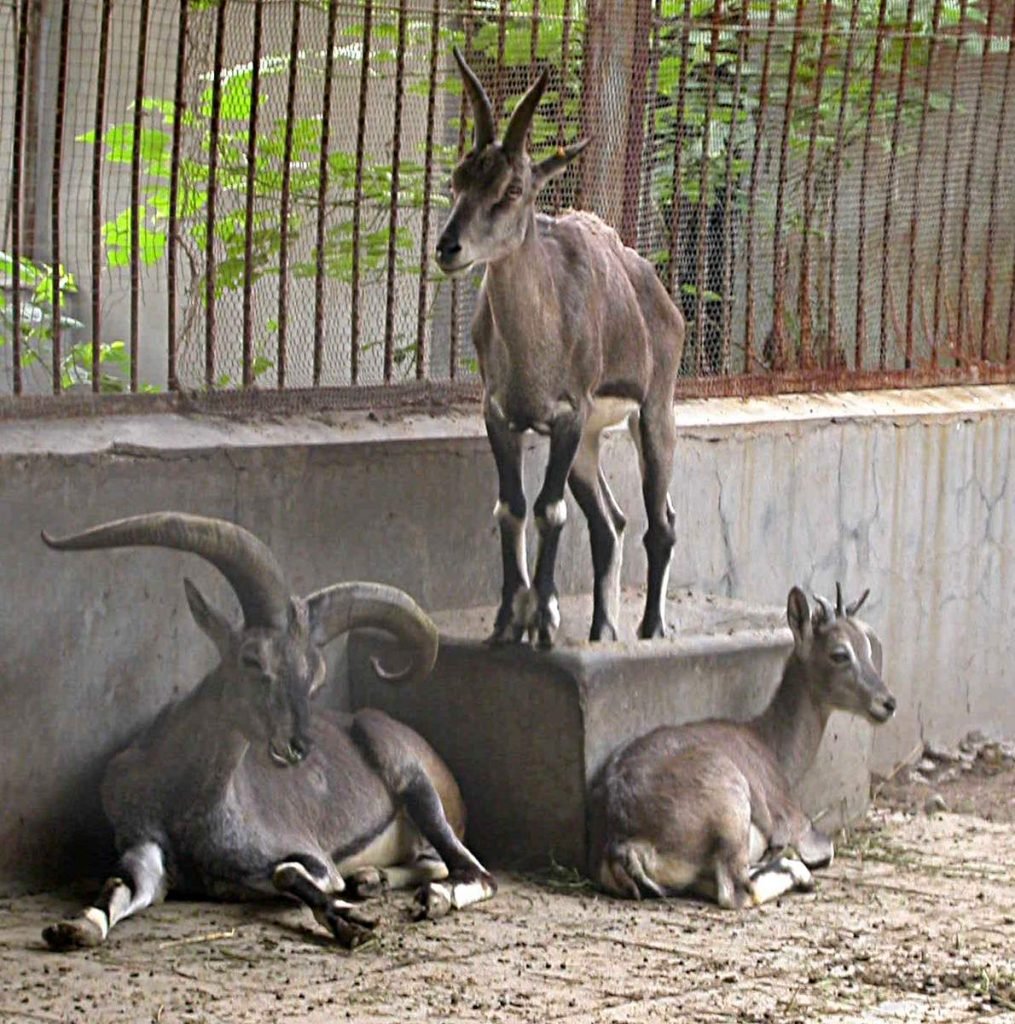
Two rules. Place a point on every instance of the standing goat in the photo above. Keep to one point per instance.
(708, 807)
(240, 789)
(574, 332)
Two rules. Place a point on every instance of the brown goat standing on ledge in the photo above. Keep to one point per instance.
(574, 332)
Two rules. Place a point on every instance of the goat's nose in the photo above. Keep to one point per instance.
(890, 704)
(447, 248)
(299, 748)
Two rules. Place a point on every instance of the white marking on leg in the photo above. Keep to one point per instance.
(428, 870)
(97, 918)
(779, 877)
(516, 527)
(463, 894)
(148, 872)
(556, 513)
(553, 609)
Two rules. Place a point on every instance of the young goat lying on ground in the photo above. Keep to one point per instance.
(708, 807)
(241, 788)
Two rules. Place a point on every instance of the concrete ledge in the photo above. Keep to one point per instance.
(525, 731)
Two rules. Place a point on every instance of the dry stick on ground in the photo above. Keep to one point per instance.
(192, 939)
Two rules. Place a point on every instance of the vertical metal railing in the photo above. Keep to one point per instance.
(829, 173)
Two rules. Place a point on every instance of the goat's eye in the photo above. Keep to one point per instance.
(840, 655)
(514, 191)
(251, 661)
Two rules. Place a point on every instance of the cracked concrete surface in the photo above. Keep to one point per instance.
(907, 493)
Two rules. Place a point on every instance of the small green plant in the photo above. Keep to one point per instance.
(37, 314)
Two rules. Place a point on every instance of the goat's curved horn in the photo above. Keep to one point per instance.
(243, 559)
(345, 606)
(518, 126)
(853, 608)
(838, 599)
(482, 111)
(827, 611)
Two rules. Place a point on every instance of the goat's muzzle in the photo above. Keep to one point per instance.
(449, 256)
(882, 708)
(292, 753)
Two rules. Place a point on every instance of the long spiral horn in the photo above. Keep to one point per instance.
(245, 561)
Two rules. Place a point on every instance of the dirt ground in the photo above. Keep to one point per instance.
(914, 922)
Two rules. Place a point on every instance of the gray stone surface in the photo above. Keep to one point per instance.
(525, 730)
(908, 493)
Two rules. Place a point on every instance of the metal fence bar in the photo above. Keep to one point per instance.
(357, 203)
(778, 358)
(806, 317)
(635, 132)
(453, 341)
(995, 183)
(672, 264)
(893, 162)
(498, 82)
(861, 255)
(750, 354)
(914, 196)
(17, 160)
(323, 169)
(287, 156)
(565, 62)
(963, 301)
(833, 352)
(56, 242)
(96, 204)
(534, 39)
(135, 194)
(729, 239)
(396, 155)
(210, 210)
(424, 235)
(172, 247)
(700, 332)
(945, 174)
(249, 199)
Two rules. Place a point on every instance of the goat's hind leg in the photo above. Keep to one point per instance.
(606, 528)
(140, 881)
(655, 433)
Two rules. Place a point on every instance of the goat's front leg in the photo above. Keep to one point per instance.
(543, 616)
(140, 881)
(510, 512)
(308, 880)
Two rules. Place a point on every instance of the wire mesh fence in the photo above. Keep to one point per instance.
(236, 197)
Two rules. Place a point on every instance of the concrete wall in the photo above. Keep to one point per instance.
(908, 493)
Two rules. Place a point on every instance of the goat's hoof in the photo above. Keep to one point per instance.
(433, 901)
(366, 883)
(79, 934)
(349, 926)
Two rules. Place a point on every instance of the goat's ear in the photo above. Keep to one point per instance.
(553, 166)
(212, 622)
(798, 615)
(877, 651)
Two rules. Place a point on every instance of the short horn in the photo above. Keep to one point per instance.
(827, 611)
(518, 126)
(838, 599)
(852, 609)
(482, 111)
(345, 606)
(244, 560)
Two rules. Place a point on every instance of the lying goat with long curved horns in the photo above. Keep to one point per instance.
(241, 789)
(574, 332)
(708, 807)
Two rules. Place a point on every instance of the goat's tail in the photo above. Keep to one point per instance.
(624, 870)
